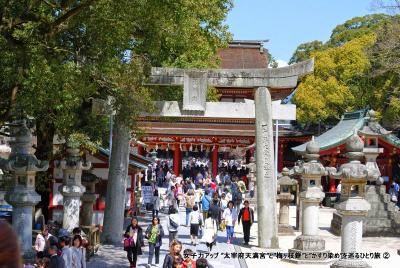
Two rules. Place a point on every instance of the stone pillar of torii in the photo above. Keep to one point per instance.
(195, 83)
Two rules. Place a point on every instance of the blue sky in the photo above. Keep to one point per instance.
(288, 23)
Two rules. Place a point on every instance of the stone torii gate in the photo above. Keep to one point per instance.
(195, 83)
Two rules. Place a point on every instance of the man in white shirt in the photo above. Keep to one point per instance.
(338, 191)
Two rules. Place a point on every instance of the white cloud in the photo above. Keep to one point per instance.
(282, 63)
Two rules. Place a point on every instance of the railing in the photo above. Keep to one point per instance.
(93, 235)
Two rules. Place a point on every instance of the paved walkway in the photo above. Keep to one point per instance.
(332, 243)
(115, 256)
(110, 256)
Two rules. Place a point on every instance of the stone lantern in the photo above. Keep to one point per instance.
(309, 247)
(23, 165)
(371, 133)
(284, 197)
(72, 188)
(353, 206)
(88, 198)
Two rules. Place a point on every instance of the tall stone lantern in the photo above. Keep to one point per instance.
(284, 197)
(353, 206)
(309, 247)
(72, 188)
(88, 198)
(23, 165)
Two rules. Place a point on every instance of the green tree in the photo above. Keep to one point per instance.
(56, 55)
(343, 78)
(303, 51)
(335, 85)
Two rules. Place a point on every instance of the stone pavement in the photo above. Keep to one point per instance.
(369, 244)
(115, 256)
(112, 256)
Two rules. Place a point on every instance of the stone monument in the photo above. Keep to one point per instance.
(285, 184)
(379, 220)
(309, 247)
(72, 188)
(353, 207)
(23, 165)
(195, 84)
(88, 198)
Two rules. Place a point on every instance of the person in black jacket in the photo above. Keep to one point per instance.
(175, 249)
(135, 233)
(215, 211)
(56, 261)
(246, 214)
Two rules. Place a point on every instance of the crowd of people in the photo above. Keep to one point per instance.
(52, 251)
(60, 251)
(210, 205)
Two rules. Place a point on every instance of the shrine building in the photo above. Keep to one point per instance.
(224, 131)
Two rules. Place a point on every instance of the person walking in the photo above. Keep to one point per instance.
(154, 233)
(66, 250)
(198, 193)
(175, 249)
(173, 223)
(230, 217)
(196, 222)
(178, 193)
(189, 203)
(246, 214)
(205, 203)
(215, 211)
(134, 236)
(41, 242)
(210, 232)
(78, 253)
(56, 261)
(156, 203)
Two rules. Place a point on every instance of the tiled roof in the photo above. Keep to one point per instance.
(337, 135)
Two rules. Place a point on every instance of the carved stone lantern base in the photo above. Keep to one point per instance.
(350, 264)
(285, 229)
(309, 250)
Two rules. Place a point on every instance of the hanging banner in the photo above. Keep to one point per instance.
(147, 194)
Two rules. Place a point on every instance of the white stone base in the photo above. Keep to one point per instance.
(309, 257)
(350, 264)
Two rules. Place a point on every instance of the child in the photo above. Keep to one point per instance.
(188, 259)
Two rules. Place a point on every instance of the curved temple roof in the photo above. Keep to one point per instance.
(350, 122)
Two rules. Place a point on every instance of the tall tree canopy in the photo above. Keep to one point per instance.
(57, 54)
(349, 71)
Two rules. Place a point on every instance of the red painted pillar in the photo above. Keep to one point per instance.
(214, 161)
(389, 172)
(332, 182)
(280, 156)
(177, 157)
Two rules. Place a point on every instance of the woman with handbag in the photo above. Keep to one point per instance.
(154, 233)
(133, 241)
(210, 232)
(230, 217)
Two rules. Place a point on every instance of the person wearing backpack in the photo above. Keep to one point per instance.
(173, 224)
(205, 204)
